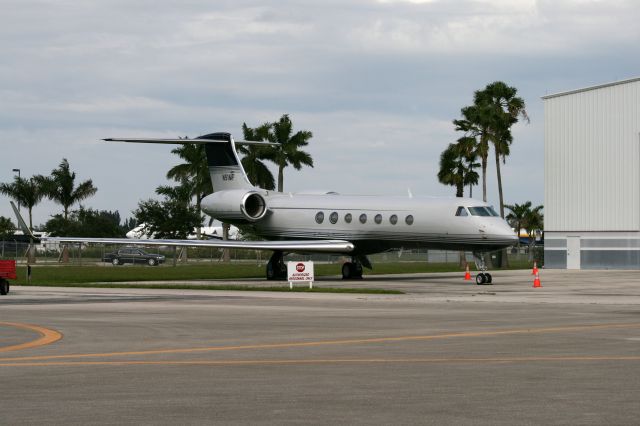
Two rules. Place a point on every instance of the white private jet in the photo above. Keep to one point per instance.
(349, 225)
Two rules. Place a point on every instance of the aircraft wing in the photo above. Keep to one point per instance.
(306, 246)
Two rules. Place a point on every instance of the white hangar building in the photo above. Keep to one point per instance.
(592, 177)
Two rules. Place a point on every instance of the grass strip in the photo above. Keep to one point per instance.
(299, 289)
(92, 273)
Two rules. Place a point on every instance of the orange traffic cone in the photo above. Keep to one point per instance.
(467, 275)
(536, 281)
(535, 268)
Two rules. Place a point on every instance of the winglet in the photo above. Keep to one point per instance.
(22, 224)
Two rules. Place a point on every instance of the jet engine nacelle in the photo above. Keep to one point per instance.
(235, 205)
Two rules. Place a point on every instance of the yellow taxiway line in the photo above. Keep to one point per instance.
(319, 361)
(573, 328)
(47, 336)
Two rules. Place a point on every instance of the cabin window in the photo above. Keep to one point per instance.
(378, 219)
(363, 218)
(482, 211)
(393, 219)
(409, 220)
(462, 211)
(348, 217)
(333, 217)
(319, 217)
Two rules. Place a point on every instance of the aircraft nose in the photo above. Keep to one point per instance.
(503, 232)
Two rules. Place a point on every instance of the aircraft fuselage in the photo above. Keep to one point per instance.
(379, 223)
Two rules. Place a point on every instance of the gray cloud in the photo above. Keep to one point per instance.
(377, 82)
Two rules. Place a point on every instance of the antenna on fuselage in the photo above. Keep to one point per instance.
(409, 191)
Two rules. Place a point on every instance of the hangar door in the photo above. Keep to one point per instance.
(573, 252)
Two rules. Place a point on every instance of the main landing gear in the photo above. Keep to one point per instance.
(352, 270)
(483, 277)
(276, 269)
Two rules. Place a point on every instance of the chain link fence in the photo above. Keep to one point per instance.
(94, 254)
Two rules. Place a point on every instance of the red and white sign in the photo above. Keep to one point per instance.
(300, 272)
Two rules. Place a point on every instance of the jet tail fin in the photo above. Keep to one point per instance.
(225, 168)
(22, 224)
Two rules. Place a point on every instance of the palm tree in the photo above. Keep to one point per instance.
(450, 170)
(289, 152)
(180, 193)
(193, 174)
(476, 124)
(505, 108)
(456, 165)
(534, 221)
(27, 192)
(466, 147)
(258, 173)
(517, 216)
(60, 187)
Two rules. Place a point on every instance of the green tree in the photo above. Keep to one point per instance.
(289, 152)
(505, 109)
(60, 187)
(457, 164)
(180, 193)
(6, 228)
(534, 221)
(257, 171)
(171, 217)
(451, 171)
(475, 123)
(495, 110)
(26, 192)
(193, 174)
(527, 217)
(87, 223)
(517, 216)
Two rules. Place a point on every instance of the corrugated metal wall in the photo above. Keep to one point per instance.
(592, 159)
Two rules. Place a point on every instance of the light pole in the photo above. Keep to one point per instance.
(18, 172)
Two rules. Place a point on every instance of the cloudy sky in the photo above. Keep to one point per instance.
(377, 82)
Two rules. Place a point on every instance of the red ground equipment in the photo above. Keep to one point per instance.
(7, 272)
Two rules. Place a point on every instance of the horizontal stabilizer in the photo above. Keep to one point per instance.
(186, 141)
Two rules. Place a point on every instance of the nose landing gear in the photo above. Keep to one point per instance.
(276, 269)
(483, 277)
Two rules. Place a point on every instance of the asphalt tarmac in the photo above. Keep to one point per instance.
(446, 352)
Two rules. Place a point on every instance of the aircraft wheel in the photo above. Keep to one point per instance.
(275, 273)
(271, 273)
(488, 275)
(357, 271)
(347, 270)
(4, 287)
(480, 279)
(276, 269)
(115, 261)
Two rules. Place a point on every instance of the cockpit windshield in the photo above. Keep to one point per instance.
(482, 211)
(461, 211)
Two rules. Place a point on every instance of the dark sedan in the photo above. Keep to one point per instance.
(133, 255)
